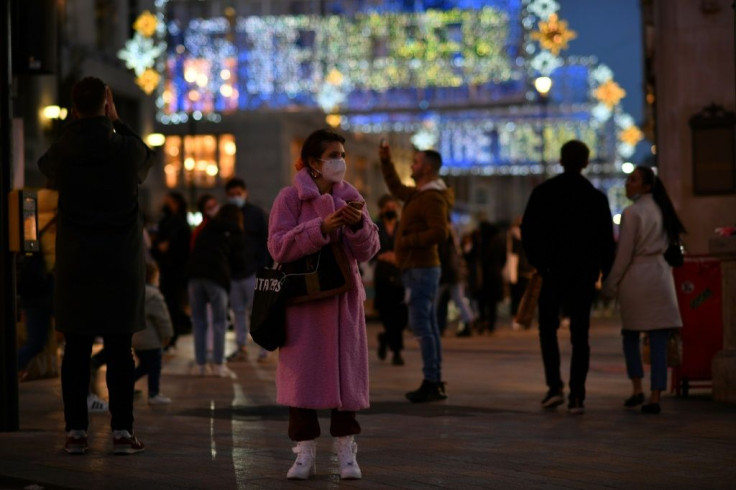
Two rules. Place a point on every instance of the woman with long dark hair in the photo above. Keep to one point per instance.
(642, 280)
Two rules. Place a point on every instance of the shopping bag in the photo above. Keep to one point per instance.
(268, 316)
(528, 304)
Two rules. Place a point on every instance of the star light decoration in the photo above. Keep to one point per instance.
(628, 134)
(553, 34)
(142, 51)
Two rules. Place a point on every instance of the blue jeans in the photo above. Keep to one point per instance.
(422, 285)
(241, 300)
(657, 353)
(149, 364)
(201, 292)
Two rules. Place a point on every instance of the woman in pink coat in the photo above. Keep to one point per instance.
(324, 362)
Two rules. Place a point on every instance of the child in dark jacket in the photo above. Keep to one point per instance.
(148, 343)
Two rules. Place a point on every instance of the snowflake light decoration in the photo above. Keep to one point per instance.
(553, 34)
(142, 51)
(602, 73)
(543, 8)
(545, 63)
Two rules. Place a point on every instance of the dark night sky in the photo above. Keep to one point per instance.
(611, 30)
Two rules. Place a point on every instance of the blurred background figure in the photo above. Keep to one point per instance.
(255, 256)
(520, 270)
(217, 252)
(487, 257)
(148, 343)
(452, 284)
(389, 290)
(170, 248)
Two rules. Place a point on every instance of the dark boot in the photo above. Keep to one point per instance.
(397, 359)
(430, 391)
(382, 346)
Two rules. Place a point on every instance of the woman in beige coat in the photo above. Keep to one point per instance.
(643, 282)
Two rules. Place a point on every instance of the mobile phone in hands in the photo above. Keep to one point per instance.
(356, 204)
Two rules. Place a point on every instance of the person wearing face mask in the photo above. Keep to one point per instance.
(255, 257)
(642, 280)
(324, 362)
(389, 291)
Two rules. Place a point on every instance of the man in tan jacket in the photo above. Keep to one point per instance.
(422, 227)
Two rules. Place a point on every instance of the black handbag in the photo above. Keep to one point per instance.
(320, 275)
(673, 254)
(268, 315)
(316, 276)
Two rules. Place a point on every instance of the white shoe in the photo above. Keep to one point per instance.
(306, 461)
(95, 404)
(223, 371)
(346, 449)
(159, 400)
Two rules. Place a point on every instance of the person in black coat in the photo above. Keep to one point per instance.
(567, 233)
(389, 290)
(256, 256)
(216, 256)
(96, 166)
(170, 249)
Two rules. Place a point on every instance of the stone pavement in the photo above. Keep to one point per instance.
(490, 433)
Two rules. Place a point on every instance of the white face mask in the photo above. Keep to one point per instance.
(333, 170)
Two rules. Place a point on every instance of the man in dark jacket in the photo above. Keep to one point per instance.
(255, 256)
(96, 166)
(567, 233)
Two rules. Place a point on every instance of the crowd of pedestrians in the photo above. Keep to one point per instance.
(172, 279)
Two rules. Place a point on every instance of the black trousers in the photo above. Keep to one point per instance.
(75, 376)
(304, 426)
(575, 296)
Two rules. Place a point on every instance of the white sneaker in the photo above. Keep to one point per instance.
(159, 400)
(346, 449)
(95, 404)
(306, 461)
(223, 371)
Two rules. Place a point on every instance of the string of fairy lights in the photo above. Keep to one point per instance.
(429, 73)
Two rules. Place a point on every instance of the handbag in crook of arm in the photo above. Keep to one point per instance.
(320, 275)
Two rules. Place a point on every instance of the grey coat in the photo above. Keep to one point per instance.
(100, 271)
(158, 322)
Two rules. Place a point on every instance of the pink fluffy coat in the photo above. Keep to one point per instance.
(324, 363)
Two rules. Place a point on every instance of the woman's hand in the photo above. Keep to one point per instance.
(351, 215)
(332, 222)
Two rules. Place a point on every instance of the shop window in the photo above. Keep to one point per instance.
(200, 161)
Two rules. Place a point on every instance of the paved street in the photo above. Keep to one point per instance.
(490, 433)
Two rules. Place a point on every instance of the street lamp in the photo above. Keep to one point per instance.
(543, 85)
